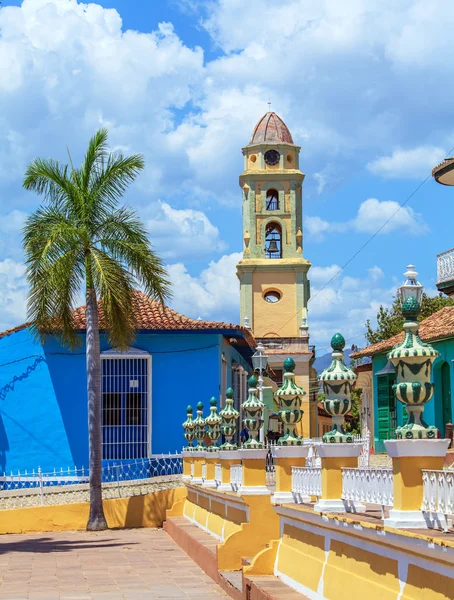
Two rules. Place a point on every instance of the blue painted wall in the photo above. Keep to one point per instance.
(433, 409)
(43, 397)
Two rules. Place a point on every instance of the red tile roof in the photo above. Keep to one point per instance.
(444, 163)
(271, 128)
(438, 326)
(154, 316)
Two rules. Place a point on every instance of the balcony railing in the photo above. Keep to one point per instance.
(445, 266)
(438, 495)
(306, 481)
(368, 485)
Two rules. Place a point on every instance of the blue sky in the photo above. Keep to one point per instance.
(365, 87)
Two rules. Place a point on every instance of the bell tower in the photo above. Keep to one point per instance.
(273, 271)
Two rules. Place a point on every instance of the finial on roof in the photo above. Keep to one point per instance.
(269, 104)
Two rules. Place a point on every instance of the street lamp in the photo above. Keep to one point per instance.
(411, 288)
(260, 362)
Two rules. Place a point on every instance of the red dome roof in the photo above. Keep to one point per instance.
(271, 128)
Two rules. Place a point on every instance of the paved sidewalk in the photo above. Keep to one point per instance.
(130, 564)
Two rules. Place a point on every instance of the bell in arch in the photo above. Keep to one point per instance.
(272, 247)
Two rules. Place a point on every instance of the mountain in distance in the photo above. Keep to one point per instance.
(324, 361)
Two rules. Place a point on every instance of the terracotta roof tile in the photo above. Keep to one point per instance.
(444, 163)
(271, 128)
(152, 315)
(437, 326)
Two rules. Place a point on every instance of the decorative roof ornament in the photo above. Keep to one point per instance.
(413, 360)
(229, 416)
(247, 239)
(189, 428)
(299, 240)
(200, 427)
(337, 381)
(289, 397)
(253, 415)
(213, 422)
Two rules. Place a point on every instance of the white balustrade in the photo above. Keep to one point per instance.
(445, 266)
(236, 477)
(438, 493)
(368, 485)
(306, 481)
(313, 459)
(218, 475)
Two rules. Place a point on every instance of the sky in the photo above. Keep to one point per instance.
(365, 87)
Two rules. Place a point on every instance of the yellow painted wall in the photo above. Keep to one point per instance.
(301, 556)
(427, 585)
(139, 511)
(268, 318)
(356, 567)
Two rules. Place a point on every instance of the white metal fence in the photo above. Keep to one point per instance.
(121, 480)
(236, 477)
(306, 481)
(369, 485)
(438, 493)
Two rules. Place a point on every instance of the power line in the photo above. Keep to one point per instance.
(43, 356)
(367, 242)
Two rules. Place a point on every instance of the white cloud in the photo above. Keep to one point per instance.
(373, 214)
(11, 234)
(13, 293)
(184, 233)
(344, 304)
(372, 217)
(316, 227)
(67, 68)
(320, 275)
(415, 163)
(214, 294)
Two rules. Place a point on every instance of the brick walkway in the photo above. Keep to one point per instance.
(133, 564)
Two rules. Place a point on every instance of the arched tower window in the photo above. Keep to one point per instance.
(272, 200)
(273, 241)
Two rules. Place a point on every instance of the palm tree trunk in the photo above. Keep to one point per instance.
(96, 519)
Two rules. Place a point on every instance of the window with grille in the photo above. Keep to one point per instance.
(126, 405)
(272, 200)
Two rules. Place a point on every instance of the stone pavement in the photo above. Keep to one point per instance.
(131, 564)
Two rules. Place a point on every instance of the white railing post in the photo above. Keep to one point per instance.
(306, 482)
(41, 492)
(368, 485)
(438, 496)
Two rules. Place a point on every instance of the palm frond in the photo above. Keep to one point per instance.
(54, 258)
(94, 157)
(126, 239)
(48, 178)
(114, 287)
(111, 181)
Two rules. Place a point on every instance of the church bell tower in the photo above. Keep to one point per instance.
(273, 271)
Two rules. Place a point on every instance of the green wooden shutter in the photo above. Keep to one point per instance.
(386, 417)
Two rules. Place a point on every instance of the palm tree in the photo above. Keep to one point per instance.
(81, 236)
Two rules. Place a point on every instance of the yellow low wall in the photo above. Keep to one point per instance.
(244, 525)
(139, 511)
(337, 558)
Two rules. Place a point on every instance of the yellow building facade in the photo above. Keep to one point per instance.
(273, 272)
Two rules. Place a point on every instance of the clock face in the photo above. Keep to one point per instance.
(272, 157)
